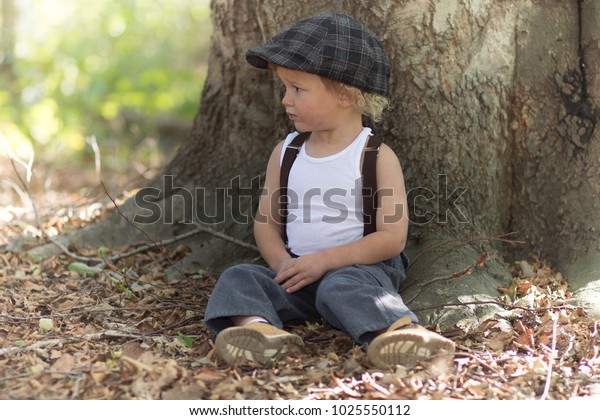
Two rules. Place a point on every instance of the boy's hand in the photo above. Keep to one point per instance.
(302, 271)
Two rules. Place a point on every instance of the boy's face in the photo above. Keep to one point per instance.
(308, 102)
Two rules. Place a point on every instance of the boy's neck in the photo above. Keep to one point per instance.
(328, 142)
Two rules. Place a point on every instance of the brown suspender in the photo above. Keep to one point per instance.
(369, 187)
(290, 155)
(369, 178)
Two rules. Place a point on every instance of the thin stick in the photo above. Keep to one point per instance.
(153, 245)
(65, 250)
(466, 241)
(458, 243)
(480, 262)
(101, 263)
(199, 229)
(9, 351)
(226, 237)
(490, 302)
(196, 231)
(551, 361)
(97, 160)
(26, 185)
(180, 271)
(89, 310)
(18, 190)
(28, 171)
(369, 382)
(483, 363)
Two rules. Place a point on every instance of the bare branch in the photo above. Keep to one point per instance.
(483, 363)
(154, 243)
(199, 229)
(479, 263)
(9, 351)
(14, 159)
(226, 237)
(491, 302)
(466, 241)
(97, 160)
(452, 245)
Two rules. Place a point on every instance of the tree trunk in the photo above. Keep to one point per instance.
(493, 119)
(556, 181)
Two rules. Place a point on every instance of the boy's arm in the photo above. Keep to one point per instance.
(387, 242)
(267, 228)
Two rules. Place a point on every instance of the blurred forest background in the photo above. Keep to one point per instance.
(127, 72)
(93, 90)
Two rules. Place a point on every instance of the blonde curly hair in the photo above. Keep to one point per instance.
(369, 104)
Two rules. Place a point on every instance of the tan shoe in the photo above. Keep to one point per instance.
(407, 344)
(257, 342)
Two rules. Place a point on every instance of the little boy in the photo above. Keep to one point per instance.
(322, 261)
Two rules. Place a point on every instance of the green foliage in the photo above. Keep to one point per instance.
(82, 269)
(313, 326)
(185, 340)
(84, 68)
(46, 325)
(103, 252)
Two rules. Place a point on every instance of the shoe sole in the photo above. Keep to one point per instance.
(408, 348)
(240, 342)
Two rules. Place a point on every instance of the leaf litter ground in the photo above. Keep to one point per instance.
(128, 332)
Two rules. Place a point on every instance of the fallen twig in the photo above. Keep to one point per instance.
(345, 388)
(89, 310)
(452, 245)
(369, 382)
(225, 237)
(593, 337)
(9, 351)
(483, 363)
(28, 172)
(199, 229)
(466, 241)
(479, 263)
(97, 160)
(155, 244)
(193, 232)
(26, 185)
(551, 359)
(491, 302)
(100, 263)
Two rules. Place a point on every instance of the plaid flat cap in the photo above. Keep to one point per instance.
(335, 46)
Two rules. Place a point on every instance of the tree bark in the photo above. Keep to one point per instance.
(493, 117)
(557, 185)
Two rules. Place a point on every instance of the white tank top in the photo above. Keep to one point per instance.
(325, 208)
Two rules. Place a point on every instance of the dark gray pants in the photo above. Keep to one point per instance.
(359, 299)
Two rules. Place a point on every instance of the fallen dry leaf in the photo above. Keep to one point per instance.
(118, 340)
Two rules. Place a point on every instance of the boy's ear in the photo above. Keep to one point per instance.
(348, 98)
